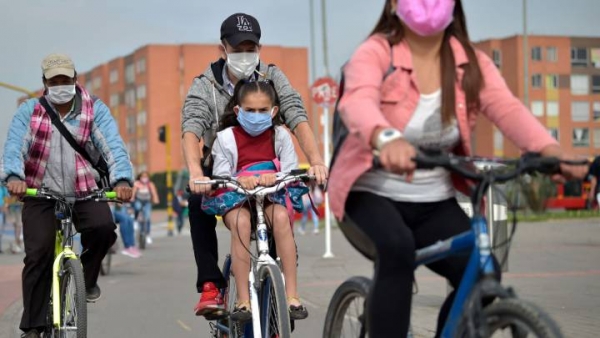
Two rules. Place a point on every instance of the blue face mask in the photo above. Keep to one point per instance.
(255, 123)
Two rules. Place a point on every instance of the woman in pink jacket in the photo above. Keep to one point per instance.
(417, 81)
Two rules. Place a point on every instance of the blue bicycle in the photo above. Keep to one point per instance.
(507, 316)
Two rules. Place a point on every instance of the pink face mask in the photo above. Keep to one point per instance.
(426, 17)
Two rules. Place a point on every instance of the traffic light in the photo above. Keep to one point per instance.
(162, 133)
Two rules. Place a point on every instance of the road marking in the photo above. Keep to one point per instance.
(185, 327)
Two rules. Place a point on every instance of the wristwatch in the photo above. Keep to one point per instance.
(386, 136)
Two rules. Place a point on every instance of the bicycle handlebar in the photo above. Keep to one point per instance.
(232, 183)
(98, 196)
(528, 163)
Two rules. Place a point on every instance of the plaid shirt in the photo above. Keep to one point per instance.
(41, 129)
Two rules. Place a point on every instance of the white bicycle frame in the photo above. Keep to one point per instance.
(262, 240)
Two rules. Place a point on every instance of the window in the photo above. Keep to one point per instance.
(130, 98)
(141, 92)
(581, 137)
(129, 73)
(596, 137)
(114, 100)
(130, 124)
(553, 132)
(580, 85)
(537, 108)
(141, 118)
(536, 54)
(97, 82)
(536, 81)
(596, 111)
(497, 57)
(552, 81)
(141, 66)
(114, 76)
(580, 111)
(595, 57)
(552, 54)
(579, 57)
(596, 84)
(552, 108)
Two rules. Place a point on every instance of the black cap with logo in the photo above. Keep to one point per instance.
(240, 27)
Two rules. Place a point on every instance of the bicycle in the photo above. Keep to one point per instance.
(266, 282)
(467, 317)
(67, 313)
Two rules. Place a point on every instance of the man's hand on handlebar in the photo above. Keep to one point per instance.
(17, 188)
(199, 188)
(123, 192)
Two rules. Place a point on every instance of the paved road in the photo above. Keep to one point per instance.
(556, 265)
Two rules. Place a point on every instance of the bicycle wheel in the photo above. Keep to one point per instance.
(345, 316)
(141, 236)
(517, 318)
(50, 331)
(274, 313)
(236, 330)
(73, 304)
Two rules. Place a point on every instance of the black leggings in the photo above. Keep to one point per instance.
(398, 229)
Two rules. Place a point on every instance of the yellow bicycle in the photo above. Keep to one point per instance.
(67, 313)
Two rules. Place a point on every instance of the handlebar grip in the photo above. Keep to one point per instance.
(31, 192)
(110, 195)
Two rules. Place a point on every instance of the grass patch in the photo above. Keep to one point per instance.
(554, 215)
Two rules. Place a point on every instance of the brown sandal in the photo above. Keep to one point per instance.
(242, 312)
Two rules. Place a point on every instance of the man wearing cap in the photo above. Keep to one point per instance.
(203, 107)
(36, 154)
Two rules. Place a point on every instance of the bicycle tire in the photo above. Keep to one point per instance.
(72, 289)
(352, 289)
(142, 237)
(520, 317)
(274, 312)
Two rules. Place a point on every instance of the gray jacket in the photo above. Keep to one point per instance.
(206, 100)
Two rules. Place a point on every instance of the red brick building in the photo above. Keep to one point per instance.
(564, 90)
(146, 90)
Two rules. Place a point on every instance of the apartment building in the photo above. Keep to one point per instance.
(146, 90)
(564, 90)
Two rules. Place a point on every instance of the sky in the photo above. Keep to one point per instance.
(93, 32)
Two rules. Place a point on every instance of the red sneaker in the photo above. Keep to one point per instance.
(210, 303)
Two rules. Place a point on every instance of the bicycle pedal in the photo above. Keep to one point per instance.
(221, 314)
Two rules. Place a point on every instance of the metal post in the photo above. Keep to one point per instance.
(169, 181)
(313, 61)
(328, 253)
(325, 50)
(525, 57)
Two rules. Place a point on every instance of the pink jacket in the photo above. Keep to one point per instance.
(368, 104)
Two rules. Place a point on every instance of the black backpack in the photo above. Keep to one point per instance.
(340, 131)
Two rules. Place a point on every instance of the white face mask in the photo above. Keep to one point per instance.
(61, 94)
(242, 65)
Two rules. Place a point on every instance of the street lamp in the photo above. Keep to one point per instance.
(525, 57)
(18, 89)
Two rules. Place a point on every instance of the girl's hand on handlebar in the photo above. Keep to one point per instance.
(248, 182)
(267, 180)
(397, 157)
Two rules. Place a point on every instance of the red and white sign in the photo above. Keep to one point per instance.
(324, 91)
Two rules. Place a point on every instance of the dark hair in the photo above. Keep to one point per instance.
(390, 25)
(139, 176)
(241, 90)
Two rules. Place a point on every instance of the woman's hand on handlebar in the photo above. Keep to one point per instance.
(567, 171)
(267, 180)
(248, 182)
(397, 157)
